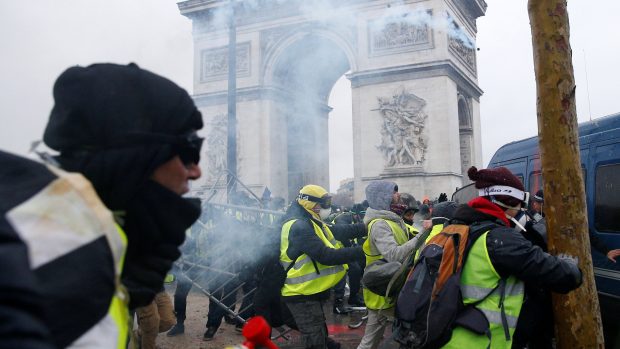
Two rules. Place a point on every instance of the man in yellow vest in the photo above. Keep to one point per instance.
(128, 139)
(501, 260)
(314, 260)
(387, 238)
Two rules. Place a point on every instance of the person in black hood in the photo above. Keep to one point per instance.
(119, 126)
(130, 135)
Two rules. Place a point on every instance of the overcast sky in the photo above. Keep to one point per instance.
(42, 38)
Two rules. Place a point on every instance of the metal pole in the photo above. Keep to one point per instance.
(232, 102)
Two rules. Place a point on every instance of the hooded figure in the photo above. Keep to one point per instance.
(500, 255)
(115, 125)
(132, 134)
(315, 261)
(388, 239)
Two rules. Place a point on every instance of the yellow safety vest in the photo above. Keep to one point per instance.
(373, 300)
(411, 230)
(303, 279)
(479, 283)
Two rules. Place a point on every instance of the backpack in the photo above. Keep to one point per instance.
(387, 278)
(430, 303)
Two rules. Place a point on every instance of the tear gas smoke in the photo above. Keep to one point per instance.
(305, 71)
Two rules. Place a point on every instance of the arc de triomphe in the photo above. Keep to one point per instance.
(412, 67)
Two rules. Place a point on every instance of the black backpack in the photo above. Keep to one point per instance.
(430, 303)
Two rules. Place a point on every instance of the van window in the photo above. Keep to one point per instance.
(607, 199)
(536, 182)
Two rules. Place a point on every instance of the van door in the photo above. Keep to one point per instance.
(534, 180)
(604, 219)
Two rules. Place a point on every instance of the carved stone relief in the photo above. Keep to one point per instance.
(216, 147)
(403, 141)
(463, 48)
(398, 36)
(214, 62)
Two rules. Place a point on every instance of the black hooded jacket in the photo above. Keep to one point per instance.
(513, 254)
(303, 239)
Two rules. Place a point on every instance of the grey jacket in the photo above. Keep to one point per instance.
(382, 239)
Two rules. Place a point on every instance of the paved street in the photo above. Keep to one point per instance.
(197, 308)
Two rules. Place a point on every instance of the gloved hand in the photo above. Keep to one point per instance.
(443, 197)
(573, 264)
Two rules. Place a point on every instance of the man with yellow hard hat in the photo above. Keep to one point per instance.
(314, 260)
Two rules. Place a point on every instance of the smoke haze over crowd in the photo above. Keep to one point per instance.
(40, 39)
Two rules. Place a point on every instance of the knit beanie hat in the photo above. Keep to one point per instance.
(379, 194)
(499, 184)
(104, 104)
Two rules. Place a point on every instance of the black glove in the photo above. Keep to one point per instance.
(443, 197)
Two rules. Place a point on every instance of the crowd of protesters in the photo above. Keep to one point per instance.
(92, 232)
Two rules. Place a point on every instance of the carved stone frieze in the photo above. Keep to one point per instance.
(464, 52)
(403, 142)
(398, 36)
(462, 47)
(216, 147)
(214, 62)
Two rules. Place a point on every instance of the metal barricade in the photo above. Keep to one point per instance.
(224, 249)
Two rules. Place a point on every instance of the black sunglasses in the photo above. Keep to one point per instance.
(188, 149)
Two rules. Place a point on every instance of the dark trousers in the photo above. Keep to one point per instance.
(310, 321)
(228, 296)
(225, 296)
(184, 285)
(355, 277)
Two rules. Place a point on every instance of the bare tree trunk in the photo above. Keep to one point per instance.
(577, 314)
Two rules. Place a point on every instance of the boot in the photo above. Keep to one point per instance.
(209, 334)
(178, 329)
(339, 307)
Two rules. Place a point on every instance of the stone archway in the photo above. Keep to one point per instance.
(406, 74)
(302, 71)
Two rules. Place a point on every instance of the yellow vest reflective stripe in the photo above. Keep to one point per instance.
(302, 279)
(118, 311)
(373, 300)
(480, 282)
(411, 230)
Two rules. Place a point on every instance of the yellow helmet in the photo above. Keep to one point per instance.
(313, 194)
